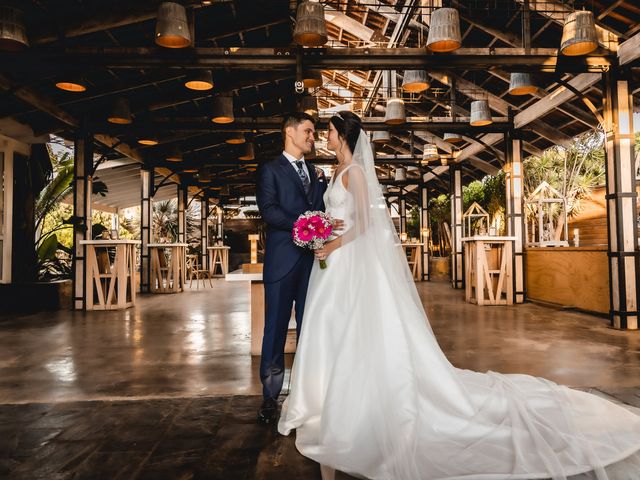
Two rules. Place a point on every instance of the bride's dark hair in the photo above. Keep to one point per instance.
(348, 125)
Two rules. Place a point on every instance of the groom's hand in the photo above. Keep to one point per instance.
(337, 224)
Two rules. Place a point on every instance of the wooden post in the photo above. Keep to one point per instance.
(182, 223)
(621, 199)
(220, 225)
(424, 231)
(6, 211)
(514, 184)
(204, 230)
(402, 203)
(457, 267)
(146, 211)
(83, 165)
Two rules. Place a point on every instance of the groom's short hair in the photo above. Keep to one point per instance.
(293, 120)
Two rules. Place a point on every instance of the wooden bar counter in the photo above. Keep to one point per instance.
(110, 279)
(575, 277)
(257, 312)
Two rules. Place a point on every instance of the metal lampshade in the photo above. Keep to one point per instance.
(453, 138)
(172, 29)
(248, 153)
(480, 113)
(199, 80)
(311, 28)
(444, 30)
(380, 137)
(121, 113)
(236, 138)
(395, 113)
(148, 140)
(222, 110)
(522, 84)
(309, 105)
(401, 174)
(174, 156)
(579, 36)
(312, 79)
(429, 152)
(415, 81)
(13, 32)
(204, 175)
(72, 84)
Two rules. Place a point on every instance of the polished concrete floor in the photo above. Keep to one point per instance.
(169, 390)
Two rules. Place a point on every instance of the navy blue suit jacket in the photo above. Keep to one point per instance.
(281, 200)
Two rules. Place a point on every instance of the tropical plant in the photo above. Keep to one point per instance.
(572, 171)
(439, 215)
(53, 255)
(165, 220)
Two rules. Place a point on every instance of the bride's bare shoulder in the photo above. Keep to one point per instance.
(353, 169)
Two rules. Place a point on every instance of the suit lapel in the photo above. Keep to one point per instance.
(313, 179)
(290, 171)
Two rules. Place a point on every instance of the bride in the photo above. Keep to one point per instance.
(373, 395)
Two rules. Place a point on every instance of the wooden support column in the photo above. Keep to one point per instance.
(146, 215)
(182, 219)
(402, 210)
(621, 199)
(514, 181)
(457, 265)
(424, 229)
(220, 225)
(83, 166)
(204, 230)
(6, 211)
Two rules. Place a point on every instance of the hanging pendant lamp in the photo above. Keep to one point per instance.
(522, 84)
(200, 80)
(121, 113)
(222, 110)
(444, 30)
(480, 113)
(380, 137)
(311, 27)
(579, 36)
(395, 113)
(13, 32)
(415, 81)
(172, 29)
(236, 138)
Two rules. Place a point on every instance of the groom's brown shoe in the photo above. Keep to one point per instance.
(268, 412)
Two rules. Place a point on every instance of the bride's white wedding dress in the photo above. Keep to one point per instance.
(373, 395)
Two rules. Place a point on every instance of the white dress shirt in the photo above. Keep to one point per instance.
(292, 161)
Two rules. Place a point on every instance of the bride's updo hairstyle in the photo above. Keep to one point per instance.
(348, 125)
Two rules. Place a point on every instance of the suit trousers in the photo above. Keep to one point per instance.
(280, 298)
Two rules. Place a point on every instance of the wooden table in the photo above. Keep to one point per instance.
(414, 254)
(219, 257)
(257, 312)
(111, 283)
(168, 269)
(488, 262)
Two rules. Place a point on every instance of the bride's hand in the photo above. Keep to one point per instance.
(329, 247)
(321, 253)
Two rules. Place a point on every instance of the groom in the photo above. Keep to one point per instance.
(286, 187)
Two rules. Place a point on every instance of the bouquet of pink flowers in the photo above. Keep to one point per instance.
(312, 230)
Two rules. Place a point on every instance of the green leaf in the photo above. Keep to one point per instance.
(47, 249)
